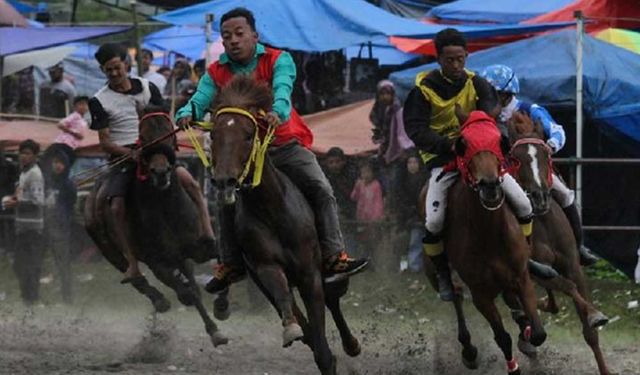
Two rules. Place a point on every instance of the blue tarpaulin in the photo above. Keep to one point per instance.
(188, 41)
(323, 25)
(22, 7)
(496, 11)
(18, 39)
(546, 68)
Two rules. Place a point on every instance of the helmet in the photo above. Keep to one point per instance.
(502, 78)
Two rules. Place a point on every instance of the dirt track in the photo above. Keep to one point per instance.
(402, 328)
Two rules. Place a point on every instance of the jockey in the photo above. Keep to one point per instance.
(431, 121)
(114, 114)
(290, 149)
(505, 81)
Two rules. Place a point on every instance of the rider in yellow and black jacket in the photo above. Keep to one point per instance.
(430, 121)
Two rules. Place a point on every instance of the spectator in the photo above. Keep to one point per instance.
(57, 94)
(60, 199)
(28, 202)
(199, 68)
(166, 73)
(367, 193)
(411, 183)
(156, 78)
(388, 132)
(182, 74)
(8, 177)
(18, 92)
(73, 128)
(342, 176)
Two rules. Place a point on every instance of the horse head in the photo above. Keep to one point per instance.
(480, 159)
(531, 160)
(158, 156)
(236, 132)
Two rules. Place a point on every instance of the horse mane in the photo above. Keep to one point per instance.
(520, 125)
(244, 92)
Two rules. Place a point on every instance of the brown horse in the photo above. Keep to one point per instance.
(552, 238)
(485, 243)
(274, 225)
(164, 224)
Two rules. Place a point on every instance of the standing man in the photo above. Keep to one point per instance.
(151, 76)
(431, 114)
(244, 55)
(28, 202)
(56, 96)
(114, 114)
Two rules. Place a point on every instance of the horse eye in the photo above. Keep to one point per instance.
(248, 138)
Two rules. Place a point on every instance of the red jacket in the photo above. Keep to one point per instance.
(293, 129)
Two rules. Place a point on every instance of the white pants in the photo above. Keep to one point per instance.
(561, 192)
(436, 205)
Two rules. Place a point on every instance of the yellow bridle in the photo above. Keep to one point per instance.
(258, 149)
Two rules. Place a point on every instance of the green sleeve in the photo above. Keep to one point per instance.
(284, 76)
(201, 99)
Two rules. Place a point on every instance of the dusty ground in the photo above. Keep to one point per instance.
(402, 327)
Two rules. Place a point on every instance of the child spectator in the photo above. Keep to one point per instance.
(60, 200)
(72, 128)
(367, 194)
(412, 181)
(28, 202)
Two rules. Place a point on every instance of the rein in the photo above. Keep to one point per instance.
(515, 163)
(98, 171)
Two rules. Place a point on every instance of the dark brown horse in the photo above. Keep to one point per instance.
(164, 223)
(274, 225)
(552, 239)
(486, 246)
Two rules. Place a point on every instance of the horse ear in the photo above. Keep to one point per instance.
(538, 128)
(460, 146)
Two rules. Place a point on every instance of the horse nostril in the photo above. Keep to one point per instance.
(231, 182)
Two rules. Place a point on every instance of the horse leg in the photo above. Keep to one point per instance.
(302, 321)
(518, 315)
(488, 309)
(529, 299)
(274, 281)
(469, 352)
(312, 294)
(333, 292)
(548, 304)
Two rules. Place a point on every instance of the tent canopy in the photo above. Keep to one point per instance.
(43, 58)
(15, 39)
(322, 25)
(621, 38)
(10, 16)
(495, 11)
(22, 7)
(189, 41)
(548, 77)
(601, 13)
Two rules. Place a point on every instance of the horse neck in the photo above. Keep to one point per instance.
(269, 195)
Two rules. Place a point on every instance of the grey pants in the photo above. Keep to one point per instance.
(301, 166)
(59, 243)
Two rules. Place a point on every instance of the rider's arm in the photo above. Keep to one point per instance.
(108, 146)
(416, 115)
(487, 97)
(553, 131)
(284, 76)
(202, 99)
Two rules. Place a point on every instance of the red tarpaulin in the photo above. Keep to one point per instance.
(602, 14)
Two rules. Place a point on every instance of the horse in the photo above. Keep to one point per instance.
(163, 222)
(553, 242)
(484, 241)
(274, 225)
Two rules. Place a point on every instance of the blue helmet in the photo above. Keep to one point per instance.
(502, 78)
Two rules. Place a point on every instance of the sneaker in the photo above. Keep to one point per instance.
(587, 258)
(223, 277)
(340, 267)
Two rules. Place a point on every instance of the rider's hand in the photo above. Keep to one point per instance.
(134, 153)
(273, 119)
(184, 122)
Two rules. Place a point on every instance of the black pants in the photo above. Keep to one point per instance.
(28, 264)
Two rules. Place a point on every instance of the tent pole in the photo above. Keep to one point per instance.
(207, 32)
(579, 121)
(136, 31)
(74, 10)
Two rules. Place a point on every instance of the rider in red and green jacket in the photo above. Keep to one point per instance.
(244, 55)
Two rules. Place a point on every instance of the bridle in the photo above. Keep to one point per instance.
(515, 164)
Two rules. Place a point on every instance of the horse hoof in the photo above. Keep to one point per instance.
(470, 358)
(516, 372)
(221, 308)
(352, 348)
(527, 349)
(161, 305)
(218, 338)
(538, 338)
(597, 319)
(292, 332)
